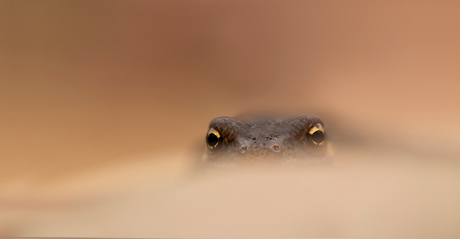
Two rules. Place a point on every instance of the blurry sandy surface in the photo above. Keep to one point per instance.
(104, 106)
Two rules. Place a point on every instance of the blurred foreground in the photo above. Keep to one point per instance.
(375, 188)
(104, 107)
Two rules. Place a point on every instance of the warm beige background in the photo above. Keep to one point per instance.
(86, 84)
(116, 88)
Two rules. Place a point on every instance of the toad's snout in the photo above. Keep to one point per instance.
(258, 148)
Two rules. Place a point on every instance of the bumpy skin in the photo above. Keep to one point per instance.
(265, 139)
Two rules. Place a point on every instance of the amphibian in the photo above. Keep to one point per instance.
(299, 139)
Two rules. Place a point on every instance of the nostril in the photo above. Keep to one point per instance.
(276, 148)
(244, 148)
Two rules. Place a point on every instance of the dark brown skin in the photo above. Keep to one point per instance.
(266, 139)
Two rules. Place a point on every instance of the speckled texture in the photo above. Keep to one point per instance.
(264, 139)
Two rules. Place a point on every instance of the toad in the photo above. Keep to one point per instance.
(262, 139)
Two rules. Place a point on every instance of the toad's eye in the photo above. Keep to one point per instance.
(213, 139)
(316, 136)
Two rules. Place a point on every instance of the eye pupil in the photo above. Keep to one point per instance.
(212, 140)
(317, 137)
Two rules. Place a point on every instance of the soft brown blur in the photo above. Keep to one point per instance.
(100, 97)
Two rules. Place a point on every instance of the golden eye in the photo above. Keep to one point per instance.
(316, 136)
(213, 139)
